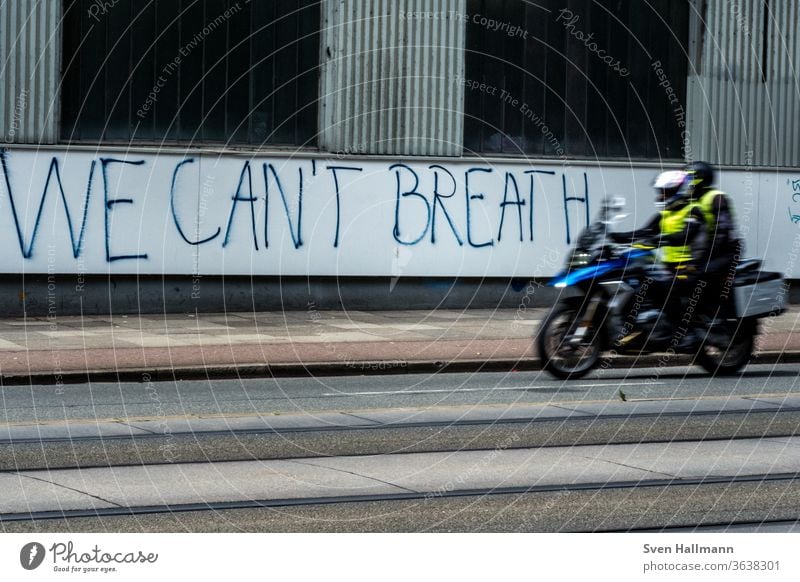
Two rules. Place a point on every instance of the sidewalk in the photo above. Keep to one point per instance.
(294, 343)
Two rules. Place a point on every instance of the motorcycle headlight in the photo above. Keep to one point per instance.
(579, 259)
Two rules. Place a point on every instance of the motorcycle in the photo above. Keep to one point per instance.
(608, 305)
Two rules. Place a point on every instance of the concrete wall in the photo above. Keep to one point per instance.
(40, 295)
(142, 229)
(140, 212)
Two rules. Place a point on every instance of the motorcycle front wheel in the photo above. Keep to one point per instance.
(727, 358)
(568, 350)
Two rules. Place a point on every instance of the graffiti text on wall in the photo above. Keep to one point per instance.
(264, 199)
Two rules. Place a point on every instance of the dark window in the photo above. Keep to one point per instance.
(576, 78)
(191, 71)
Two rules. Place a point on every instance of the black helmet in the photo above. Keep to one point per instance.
(701, 176)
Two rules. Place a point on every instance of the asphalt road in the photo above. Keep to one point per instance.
(589, 510)
(351, 393)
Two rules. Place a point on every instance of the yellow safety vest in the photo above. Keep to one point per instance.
(673, 221)
(705, 203)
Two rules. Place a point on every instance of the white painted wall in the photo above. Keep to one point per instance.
(127, 211)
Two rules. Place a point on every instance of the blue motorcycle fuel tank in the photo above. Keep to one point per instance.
(571, 277)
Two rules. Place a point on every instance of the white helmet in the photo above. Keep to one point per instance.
(668, 184)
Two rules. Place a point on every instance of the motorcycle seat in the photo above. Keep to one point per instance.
(746, 265)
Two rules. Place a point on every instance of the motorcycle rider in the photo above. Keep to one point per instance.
(695, 229)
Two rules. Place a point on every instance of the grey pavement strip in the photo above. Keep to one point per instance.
(68, 430)
(425, 473)
(494, 388)
(193, 482)
(243, 423)
(676, 406)
(389, 417)
(449, 415)
(24, 494)
(787, 400)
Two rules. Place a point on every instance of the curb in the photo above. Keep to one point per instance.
(366, 368)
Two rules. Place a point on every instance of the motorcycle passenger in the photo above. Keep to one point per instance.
(723, 247)
(695, 230)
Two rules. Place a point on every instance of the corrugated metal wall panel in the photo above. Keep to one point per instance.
(786, 81)
(29, 70)
(388, 83)
(743, 94)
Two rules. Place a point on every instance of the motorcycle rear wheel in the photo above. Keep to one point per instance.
(563, 356)
(729, 360)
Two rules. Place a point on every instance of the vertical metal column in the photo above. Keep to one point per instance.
(389, 77)
(29, 70)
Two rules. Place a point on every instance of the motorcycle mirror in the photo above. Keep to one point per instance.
(611, 209)
(617, 203)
